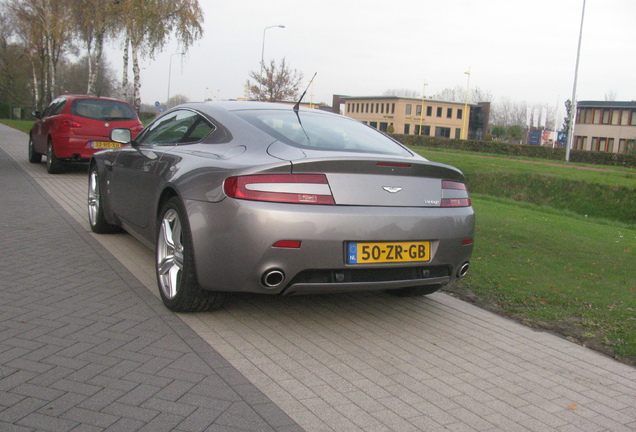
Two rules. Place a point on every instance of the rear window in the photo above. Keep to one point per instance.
(103, 109)
(322, 132)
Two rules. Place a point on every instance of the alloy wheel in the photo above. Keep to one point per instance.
(93, 198)
(170, 254)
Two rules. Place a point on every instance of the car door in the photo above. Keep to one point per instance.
(136, 181)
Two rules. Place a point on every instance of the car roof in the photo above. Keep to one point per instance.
(81, 96)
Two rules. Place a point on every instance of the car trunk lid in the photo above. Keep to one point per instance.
(399, 182)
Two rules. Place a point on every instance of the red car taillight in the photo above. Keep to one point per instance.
(455, 202)
(286, 188)
(70, 123)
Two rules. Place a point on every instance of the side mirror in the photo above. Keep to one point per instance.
(122, 136)
(36, 114)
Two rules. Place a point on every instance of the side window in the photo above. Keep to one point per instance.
(178, 127)
(54, 107)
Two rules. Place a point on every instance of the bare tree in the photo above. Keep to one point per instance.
(458, 94)
(93, 21)
(275, 84)
(402, 93)
(43, 27)
(149, 24)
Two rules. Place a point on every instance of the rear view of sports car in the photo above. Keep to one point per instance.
(264, 198)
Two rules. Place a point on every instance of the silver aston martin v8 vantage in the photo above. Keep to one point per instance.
(266, 198)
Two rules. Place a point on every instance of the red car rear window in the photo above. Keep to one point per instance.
(103, 109)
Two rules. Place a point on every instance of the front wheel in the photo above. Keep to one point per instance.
(416, 291)
(176, 277)
(95, 210)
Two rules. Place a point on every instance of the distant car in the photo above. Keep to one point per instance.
(263, 198)
(73, 127)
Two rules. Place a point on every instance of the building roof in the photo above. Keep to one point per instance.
(606, 104)
(395, 98)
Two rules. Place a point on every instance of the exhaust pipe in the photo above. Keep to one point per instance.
(463, 270)
(272, 278)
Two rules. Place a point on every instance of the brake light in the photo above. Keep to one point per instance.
(460, 201)
(447, 184)
(286, 188)
(70, 123)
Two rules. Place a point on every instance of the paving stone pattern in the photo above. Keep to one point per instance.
(85, 347)
(358, 362)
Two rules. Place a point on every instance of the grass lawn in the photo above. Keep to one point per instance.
(548, 265)
(553, 271)
(21, 125)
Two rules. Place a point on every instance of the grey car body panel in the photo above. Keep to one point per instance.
(233, 239)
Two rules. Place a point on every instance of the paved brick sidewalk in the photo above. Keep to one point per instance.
(84, 346)
(366, 361)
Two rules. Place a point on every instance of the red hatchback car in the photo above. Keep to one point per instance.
(73, 127)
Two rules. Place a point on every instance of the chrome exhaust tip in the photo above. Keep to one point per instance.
(463, 270)
(272, 278)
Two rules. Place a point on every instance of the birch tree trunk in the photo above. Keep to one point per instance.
(124, 81)
(136, 79)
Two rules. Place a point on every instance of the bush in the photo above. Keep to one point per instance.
(531, 151)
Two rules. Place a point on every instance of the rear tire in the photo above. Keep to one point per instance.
(53, 164)
(417, 291)
(34, 157)
(176, 276)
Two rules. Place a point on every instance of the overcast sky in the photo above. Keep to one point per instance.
(516, 50)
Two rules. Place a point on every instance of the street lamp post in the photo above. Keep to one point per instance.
(466, 106)
(570, 137)
(260, 85)
(169, 75)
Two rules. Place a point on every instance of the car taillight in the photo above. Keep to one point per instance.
(286, 188)
(70, 123)
(459, 201)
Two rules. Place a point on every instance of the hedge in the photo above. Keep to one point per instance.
(532, 151)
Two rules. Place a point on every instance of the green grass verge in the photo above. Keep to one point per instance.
(21, 125)
(555, 246)
(550, 270)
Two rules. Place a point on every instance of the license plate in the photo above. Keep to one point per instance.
(388, 252)
(104, 144)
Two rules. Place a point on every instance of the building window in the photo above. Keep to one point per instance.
(384, 126)
(458, 133)
(418, 110)
(459, 113)
(408, 109)
(624, 117)
(407, 129)
(579, 143)
(429, 111)
(374, 125)
(439, 111)
(626, 146)
(606, 116)
(382, 108)
(426, 130)
(633, 121)
(377, 108)
(449, 113)
(442, 132)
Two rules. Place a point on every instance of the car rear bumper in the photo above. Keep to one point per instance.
(76, 148)
(233, 246)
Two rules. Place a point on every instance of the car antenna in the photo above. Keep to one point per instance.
(297, 106)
